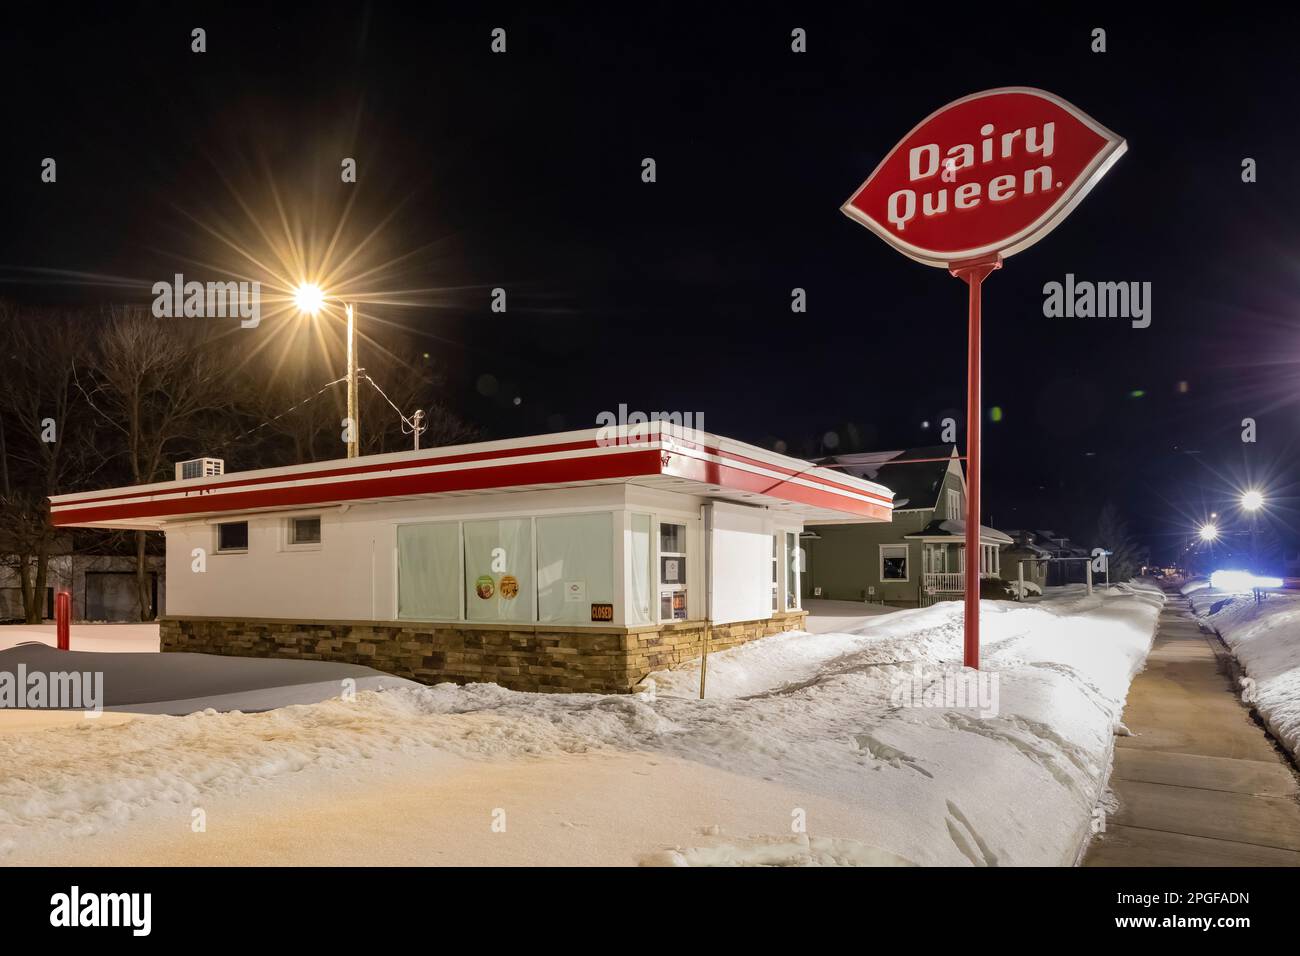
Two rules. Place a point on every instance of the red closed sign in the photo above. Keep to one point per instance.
(989, 174)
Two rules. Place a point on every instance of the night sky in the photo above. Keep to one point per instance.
(522, 171)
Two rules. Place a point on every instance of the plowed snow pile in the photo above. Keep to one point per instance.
(1265, 638)
(906, 757)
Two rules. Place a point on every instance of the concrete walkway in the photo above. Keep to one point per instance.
(1199, 783)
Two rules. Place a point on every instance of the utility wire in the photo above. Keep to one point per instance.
(408, 426)
(276, 418)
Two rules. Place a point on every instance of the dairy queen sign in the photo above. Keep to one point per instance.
(974, 182)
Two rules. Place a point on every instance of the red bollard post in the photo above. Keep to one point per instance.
(63, 619)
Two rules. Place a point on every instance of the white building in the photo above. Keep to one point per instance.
(580, 560)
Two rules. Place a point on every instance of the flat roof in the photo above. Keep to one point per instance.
(657, 455)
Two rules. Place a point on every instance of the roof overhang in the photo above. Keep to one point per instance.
(655, 455)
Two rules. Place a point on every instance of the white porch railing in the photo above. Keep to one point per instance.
(949, 582)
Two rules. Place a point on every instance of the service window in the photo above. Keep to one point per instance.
(232, 536)
(672, 571)
(304, 531)
(893, 562)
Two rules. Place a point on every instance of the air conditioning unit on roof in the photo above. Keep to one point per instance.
(200, 468)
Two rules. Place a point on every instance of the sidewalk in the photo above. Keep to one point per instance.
(1199, 783)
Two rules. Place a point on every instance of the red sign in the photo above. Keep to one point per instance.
(989, 174)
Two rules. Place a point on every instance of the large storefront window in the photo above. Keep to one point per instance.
(575, 573)
(499, 570)
(776, 573)
(428, 571)
(641, 565)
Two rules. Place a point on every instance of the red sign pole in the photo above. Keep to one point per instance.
(1016, 192)
(973, 273)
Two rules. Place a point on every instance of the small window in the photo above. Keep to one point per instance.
(672, 538)
(893, 562)
(954, 505)
(304, 530)
(232, 536)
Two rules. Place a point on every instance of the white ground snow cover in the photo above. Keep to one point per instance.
(1265, 638)
(804, 754)
(117, 638)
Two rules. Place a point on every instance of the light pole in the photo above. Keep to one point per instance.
(310, 300)
(1252, 500)
(354, 421)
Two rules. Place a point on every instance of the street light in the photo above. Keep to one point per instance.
(1209, 531)
(310, 299)
(1252, 501)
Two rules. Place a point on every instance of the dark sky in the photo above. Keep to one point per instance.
(523, 171)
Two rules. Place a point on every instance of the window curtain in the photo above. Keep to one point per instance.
(499, 570)
(641, 600)
(428, 571)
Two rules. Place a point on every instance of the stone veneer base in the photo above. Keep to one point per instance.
(531, 657)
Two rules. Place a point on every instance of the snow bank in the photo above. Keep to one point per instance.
(117, 638)
(1265, 638)
(855, 727)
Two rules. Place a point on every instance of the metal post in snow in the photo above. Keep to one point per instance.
(973, 274)
(63, 620)
(1020, 573)
(706, 516)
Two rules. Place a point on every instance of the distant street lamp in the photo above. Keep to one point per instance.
(1253, 500)
(310, 299)
(1209, 531)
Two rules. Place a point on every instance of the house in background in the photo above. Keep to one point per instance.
(1067, 564)
(1026, 560)
(919, 557)
(101, 579)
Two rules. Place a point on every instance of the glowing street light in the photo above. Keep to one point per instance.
(310, 299)
(1252, 500)
(1209, 531)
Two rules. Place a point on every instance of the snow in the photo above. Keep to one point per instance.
(1025, 589)
(117, 638)
(801, 755)
(1265, 639)
(825, 615)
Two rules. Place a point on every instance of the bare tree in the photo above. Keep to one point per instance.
(47, 443)
(161, 387)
